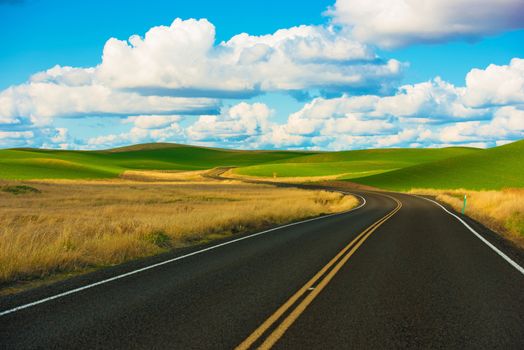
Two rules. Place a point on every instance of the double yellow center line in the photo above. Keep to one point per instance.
(314, 286)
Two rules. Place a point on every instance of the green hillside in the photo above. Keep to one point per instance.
(48, 164)
(351, 164)
(397, 169)
(493, 168)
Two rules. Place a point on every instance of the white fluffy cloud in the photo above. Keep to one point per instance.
(31, 136)
(6, 135)
(146, 128)
(431, 113)
(393, 23)
(238, 125)
(496, 85)
(507, 124)
(183, 60)
(153, 121)
(344, 115)
(425, 114)
(72, 92)
(180, 70)
(434, 101)
(235, 124)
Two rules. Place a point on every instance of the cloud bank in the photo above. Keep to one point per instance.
(183, 60)
(428, 114)
(394, 23)
(172, 84)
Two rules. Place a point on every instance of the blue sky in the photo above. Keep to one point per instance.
(39, 35)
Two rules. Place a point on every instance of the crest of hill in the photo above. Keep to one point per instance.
(144, 147)
(59, 164)
(492, 168)
(167, 145)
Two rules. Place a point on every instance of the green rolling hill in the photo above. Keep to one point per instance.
(493, 168)
(52, 164)
(351, 164)
(396, 169)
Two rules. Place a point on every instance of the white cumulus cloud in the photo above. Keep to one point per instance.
(144, 129)
(153, 121)
(234, 124)
(183, 60)
(496, 85)
(73, 92)
(393, 23)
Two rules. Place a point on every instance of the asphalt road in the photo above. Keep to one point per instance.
(418, 278)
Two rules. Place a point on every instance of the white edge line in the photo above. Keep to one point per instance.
(495, 249)
(76, 290)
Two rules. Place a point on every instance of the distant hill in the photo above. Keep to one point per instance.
(396, 169)
(492, 168)
(351, 164)
(50, 164)
(144, 146)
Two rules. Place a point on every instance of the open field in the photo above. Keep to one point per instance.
(394, 169)
(502, 211)
(404, 169)
(71, 225)
(52, 164)
(493, 168)
(351, 164)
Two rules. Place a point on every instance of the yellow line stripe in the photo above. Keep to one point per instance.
(292, 317)
(253, 337)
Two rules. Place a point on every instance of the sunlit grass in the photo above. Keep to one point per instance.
(502, 211)
(73, 225)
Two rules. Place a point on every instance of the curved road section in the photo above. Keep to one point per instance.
(399, 272)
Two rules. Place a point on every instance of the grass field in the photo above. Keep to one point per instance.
(25, 164)
(61, 226)
(351, 164)
(395, 169)
(493, 168)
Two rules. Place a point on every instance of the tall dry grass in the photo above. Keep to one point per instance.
(502, 211)
(70, 226)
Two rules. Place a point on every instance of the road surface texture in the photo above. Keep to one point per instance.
(399, 272)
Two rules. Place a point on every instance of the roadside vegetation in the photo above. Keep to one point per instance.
(107, 207)
(502, 211)
(62, 226)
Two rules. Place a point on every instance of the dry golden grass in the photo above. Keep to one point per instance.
(502, 211)
(72, 226)
(158, 175)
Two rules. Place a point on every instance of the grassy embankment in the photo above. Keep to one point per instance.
(502, 211)
(64, 226)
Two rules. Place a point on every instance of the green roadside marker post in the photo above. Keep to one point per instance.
(464, 206)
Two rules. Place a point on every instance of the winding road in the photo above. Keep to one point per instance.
(397, 272)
